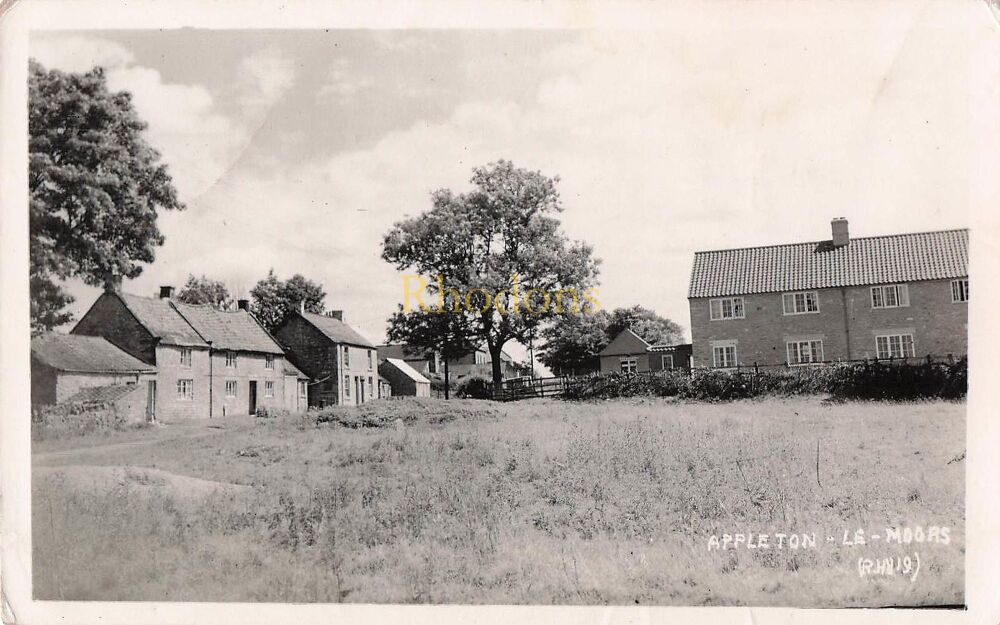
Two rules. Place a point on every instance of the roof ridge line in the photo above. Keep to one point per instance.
(876, 236)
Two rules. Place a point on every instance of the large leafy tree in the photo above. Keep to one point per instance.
(273, 299)
(451, 336)
(95, 186)
(498, 246)
(653, 328)
(571, 343)
(205, 290)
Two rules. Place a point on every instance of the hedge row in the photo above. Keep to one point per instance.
(860, 380)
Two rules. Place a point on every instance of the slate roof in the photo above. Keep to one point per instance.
(162, 320)
(291, 369)
(407, 370)
(615, 347)
(228, 329)
(76, 353)
(817, 265)
(101, 394)
(402, 352)
(336, 330)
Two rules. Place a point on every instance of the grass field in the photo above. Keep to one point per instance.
(532, 502)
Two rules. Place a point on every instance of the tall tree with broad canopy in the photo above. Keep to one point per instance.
(500, 249)
(451, 336)
(95, 187)
(205, 290)
(653, 328)
(272, 299)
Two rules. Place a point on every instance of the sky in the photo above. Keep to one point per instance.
(298, 149)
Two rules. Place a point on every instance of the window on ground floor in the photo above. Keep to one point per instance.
(347, 386)
(804, 352)
(268, 388)
(185, 390)
(667, 361)
(724, 355)
(230, 388)
(894, 346)
(960, 290)
(629, 365)
(371, 386)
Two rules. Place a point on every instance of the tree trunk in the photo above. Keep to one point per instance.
(446, 378)
(495, 351)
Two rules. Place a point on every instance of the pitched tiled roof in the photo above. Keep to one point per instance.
(161, 320)
(797, 266)
(228, 329)
(84, 354)
(403, 352)
(407, 370)
(101, 394)
(291, 369)
(336, 330)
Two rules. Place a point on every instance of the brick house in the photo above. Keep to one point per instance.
(892, 296)
(208, 362)
(68, 369)
(629, 352)
(342, 363)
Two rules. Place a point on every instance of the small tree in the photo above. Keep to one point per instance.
(450, 336)
(500, 251)
(205, 290)
(272, 299)
(95, 187)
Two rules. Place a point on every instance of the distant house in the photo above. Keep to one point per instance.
(426, 362)
(208, 362)
(79, 369)
(341, 362)
(895, 296)
(430, 364)
(630, 353)
(404, 379)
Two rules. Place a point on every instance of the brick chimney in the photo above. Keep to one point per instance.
(840, 235)
(112, 281)
(336, 314)
(243, 304)
(166, 292)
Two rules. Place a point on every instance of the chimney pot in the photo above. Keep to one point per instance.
(838, 227)
(243, 304)
(166, 292)
(302, 307)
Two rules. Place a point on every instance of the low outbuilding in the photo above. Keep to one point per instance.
(403, 379)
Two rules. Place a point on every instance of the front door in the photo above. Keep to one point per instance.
(253, 397)
(151, 401)
(361, 389)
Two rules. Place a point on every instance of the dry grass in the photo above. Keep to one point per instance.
(535, 502)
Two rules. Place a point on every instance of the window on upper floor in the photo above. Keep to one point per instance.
(269, 361)
(890, 296)
(804, 352)
(726, 308)
(347, 356)
(724, 355)
(960, 290)
(230, 359)
(185, 356)
(894, 346)
(629, 365)
(800, 303)
(370, 359)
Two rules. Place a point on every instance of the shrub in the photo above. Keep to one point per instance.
(473, 387)
(61, 420)
(265, 412)
(385, 413)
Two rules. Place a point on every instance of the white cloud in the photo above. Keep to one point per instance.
(74, 53)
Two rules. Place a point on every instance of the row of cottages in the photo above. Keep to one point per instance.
(897, 296)
(630, 353)
(208, 362)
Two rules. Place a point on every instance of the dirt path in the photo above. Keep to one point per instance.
(156, 436)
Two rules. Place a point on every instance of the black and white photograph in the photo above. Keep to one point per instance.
(668, 312)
